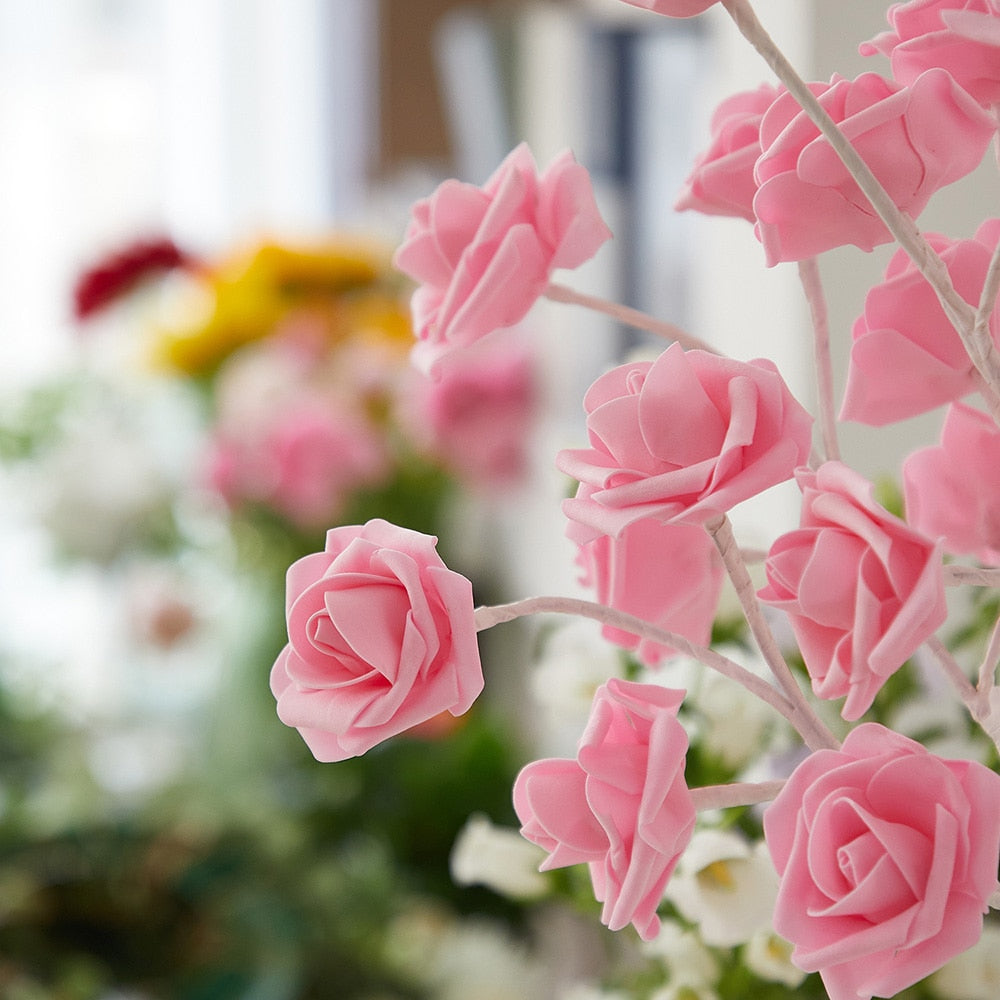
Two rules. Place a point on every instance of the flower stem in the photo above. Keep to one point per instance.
(488, 616)
(813, 287)
(741, 793)
(988, 668)
(982, 352)
(627, 315)
(955, 674)
(807, 722)
(972, 576)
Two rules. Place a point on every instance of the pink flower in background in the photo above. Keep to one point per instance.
(953, 489)
(906, 357)
(861, 588)
(682, 439)
(722, 181)
(961, 36)
(483, 256)
(478, 414)
(887, 856)
(674, 8)
(305, 465)
(667, 574)
(915, 139)
(381, 638)
(622, 806)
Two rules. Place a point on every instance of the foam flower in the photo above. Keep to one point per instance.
(622, 806)
(682, 439)
(906, 357)
(674, 8)
(381, 637)
(722, 180)
(952, 489)
(862, 589)
(626, 573)
(915, 139)
(961, 36)
(887, 856)
(483, 256)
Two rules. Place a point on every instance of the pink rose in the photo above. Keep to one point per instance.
(915, 139)
(622, 806)
(627, 573)
(478, 415)
(682, 439)
(906, 357)
(673, 8)
(887, 856)
(861, 588)
(484, 255)
(953, 490)
(381, 637)
(722, 181)
(961, 36)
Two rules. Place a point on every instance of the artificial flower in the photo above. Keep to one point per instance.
(915, 139)
(483, 256)
(626, 572)
(906, 357)
(887, 857)
(952, 489)
(622, 806)
(682, 439)
(961, 36)
(722, 180)
(724, 885)
(862, 589)
(497, 857)
(381, 637)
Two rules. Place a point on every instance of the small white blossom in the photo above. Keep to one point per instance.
(684, 954)
(497, 857)
(975, 974)
(684, 991)
(770, 957)
(726, 886)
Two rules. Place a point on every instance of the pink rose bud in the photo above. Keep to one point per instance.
(907, 357)
(961, 36)
(722, 181)
(483, 256)
(673, 8)
(887, 856)
(952, 490)
(622, 806)
(682, 439)
(915, 139)
(627, 574)
(862, 589)
(381, 637)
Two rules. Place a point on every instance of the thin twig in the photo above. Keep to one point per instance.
(742, 793)
(954, 672)
(970, 576)
(813, 287)
(628, 316)
(988, 668)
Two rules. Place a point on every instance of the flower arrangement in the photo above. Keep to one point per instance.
(884, 853)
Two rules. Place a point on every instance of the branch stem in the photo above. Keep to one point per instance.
(813, 286)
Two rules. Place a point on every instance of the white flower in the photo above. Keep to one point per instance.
(975, 974)
(684, 954)
(497, 857)
(585, 991)
(726, 886)
(770, 957)
(684, 991)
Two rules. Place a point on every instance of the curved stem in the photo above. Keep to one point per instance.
(627, 315)
(809, 724)
(813, 287)
(982, 352)
(740, 793)
(488, 616)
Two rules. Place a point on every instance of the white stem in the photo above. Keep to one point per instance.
(814, 732)
(982, 352)
(813, 287)
(988, 668)
(738, 794)
(971, 576)
(488, 616)
(954, 672)
(628, 316)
